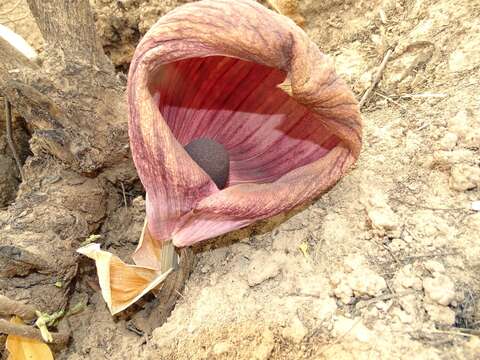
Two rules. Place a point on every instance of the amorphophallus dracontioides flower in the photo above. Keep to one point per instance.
(249, 79)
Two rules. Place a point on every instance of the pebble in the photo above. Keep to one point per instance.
(344, 292)
(295, 331)
(407, 279)
(381, 216)
(358, 280)
(366, 282)
(449, 141)
(459, 124)
(464, 177)
(262, 267)
(439, 289)
(397, 245)
(456, 156)
(475, 205)
(442, 315)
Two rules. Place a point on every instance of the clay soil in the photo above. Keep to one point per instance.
(384, 266)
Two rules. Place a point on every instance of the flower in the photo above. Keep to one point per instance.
(247, 78)
(223, 70)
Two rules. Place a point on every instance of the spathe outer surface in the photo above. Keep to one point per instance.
(252, 80)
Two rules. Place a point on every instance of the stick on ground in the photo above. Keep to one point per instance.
(376, 79)
(10, 307)
(30, 332)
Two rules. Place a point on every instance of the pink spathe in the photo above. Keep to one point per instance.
(212, 69)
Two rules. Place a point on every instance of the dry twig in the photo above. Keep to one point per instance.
(385, 297)
(10, 307)
(377, 78)
(391, 100)
(30, 332)
(455, 331)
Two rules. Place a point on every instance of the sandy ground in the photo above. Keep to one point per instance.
(385, 265)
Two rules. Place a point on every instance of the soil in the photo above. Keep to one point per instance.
(384, 266)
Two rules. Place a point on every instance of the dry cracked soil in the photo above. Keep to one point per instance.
(385, 265)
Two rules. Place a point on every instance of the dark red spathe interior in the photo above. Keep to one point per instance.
(238, 104)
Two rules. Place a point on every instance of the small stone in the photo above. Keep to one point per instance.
(434, 266)
(138, 202)
(262, 267)
(459, 124)
(263, 351)
(442, 315)
(475, 205)
(449, 141)
(449, 158)
(383, 219)
(406, 279)
(439, 289)
(295, 331)
(381, 216)
(464, 177)
(344, 292)
(221, 348)
(367, 282)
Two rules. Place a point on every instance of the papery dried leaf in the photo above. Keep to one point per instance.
(122, 284)
(22, 348)
(154, 254)
(250, 79)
